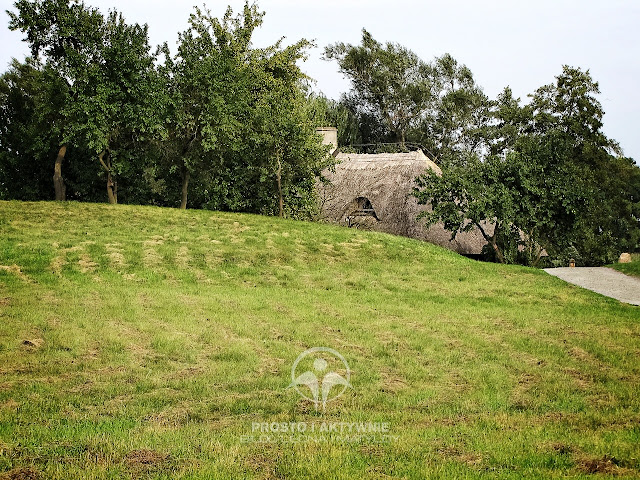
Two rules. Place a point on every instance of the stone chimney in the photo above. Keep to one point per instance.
(329, 137)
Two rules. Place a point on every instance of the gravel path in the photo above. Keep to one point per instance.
(605, 281)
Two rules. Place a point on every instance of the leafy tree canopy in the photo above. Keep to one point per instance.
(551, 181)
(389, 82)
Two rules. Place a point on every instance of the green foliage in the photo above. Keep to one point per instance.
(457, 122)
(397, 97)
(23, 147)
(390, 83)
(326, 112)
(66, 32)
(499, 196)
(69, 36)
(607, 219)
(106, 101)
(239, 124)
(223, 119)
(551, 182)
(31, 97)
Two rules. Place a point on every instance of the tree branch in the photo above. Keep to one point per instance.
(104, 165)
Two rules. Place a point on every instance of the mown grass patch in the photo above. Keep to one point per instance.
(140, 342)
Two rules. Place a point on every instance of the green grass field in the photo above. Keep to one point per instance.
(632, 268)
(140, 342)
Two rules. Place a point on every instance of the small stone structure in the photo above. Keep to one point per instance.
(329, 137)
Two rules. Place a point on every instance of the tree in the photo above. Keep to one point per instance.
(552, 180)
(397, 97)
(284, 133)
(68, 34)
(389, 82)
(496, 197)
(108, 75)
(239, 126)
(120, 99)
(458, 120)
(210, 90)
(607, 221)
(25, 132)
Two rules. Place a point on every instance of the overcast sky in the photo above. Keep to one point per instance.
(521, 44)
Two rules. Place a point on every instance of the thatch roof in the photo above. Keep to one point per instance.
(373, 191)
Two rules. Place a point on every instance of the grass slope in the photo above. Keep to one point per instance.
(140, 342)
(632, 268)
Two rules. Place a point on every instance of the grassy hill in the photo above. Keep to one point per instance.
(140, 342)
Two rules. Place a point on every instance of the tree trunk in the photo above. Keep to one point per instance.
(58, 181)
(539, 251)
(494, 244)
(492, 240)
(111, 190)
(185, 187)
(186, 175)
(112, 187)
(496, 249)
(279, 180)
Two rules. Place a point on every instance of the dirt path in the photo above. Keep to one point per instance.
(605, 281)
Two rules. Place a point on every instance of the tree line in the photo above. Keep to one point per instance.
(224, 125)
(536, 179)
(220, 124)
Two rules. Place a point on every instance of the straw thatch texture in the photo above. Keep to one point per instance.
(374, 192)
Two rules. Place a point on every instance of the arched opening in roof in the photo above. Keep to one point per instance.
(360, 213)
(362, 207)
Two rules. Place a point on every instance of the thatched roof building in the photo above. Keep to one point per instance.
(373, 191)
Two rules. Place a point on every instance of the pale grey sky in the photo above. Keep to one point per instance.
(504, 42)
